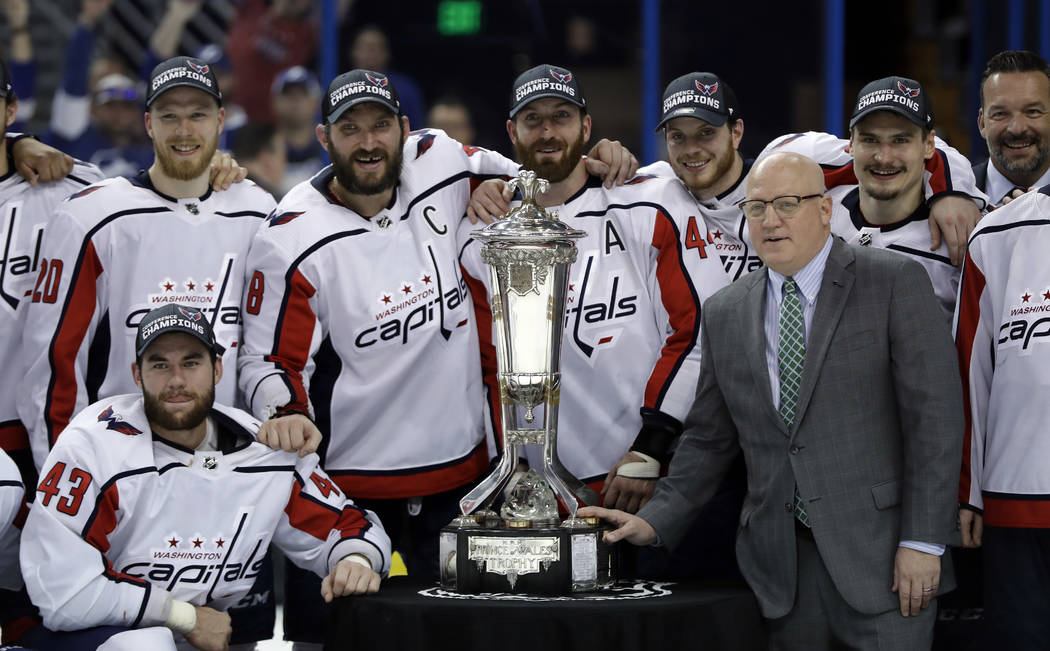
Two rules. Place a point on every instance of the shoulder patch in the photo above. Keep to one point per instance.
(85, 192)
(426, 141)
(471, 150)
(114, 423)
(641, 178)
(281, 219)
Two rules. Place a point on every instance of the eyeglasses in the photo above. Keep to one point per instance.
(785, 206)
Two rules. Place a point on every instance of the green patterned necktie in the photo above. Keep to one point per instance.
(791, 356)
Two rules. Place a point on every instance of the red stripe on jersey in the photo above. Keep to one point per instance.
(319, 519)
(937, 166)
(15, 629)
(14, 437)
(679, 301)
(103, 522)
(418, 484)
(1005, 512)
(293, 339)
(73, 327)
(489, 368)
(20, 518)
(842, 175)
(973, 283)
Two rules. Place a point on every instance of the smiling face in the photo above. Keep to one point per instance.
(1015, 121)
(549, 135)
(889, 155)
(177, 376)
(184, 124)
(365, 147)
(704, 156)
(786, 245)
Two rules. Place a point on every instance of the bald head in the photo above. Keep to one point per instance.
(787, 242)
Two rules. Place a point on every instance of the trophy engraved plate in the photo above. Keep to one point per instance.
(527, 547)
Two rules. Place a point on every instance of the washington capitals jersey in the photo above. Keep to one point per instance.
(12, 516)
(631, 317)
(911, 235)
(1002, 331)
(117, 250)
(368, 323)
(124, 521)
(25, 211)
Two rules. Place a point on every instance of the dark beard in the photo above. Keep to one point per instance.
(1042, 153)
(348, 179)
(554, 171)
(159, 417)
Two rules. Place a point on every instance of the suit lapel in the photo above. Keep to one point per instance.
(835, 288)
(753, 319)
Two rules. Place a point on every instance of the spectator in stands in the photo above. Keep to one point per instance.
(296, 104)
(452, 115)
(260, 148)
(266, 37)
(20, 60)
(370, 50)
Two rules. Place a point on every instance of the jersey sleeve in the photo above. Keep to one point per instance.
(281, 333)
(975, 335)
(481, 163)
(951, 173)
(671, 387)
(63, 554)
(61, 319)
(12, 517)
(321, 526)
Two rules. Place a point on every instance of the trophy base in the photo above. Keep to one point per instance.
(541, 561)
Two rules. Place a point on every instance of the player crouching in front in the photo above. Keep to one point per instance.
(154, 511)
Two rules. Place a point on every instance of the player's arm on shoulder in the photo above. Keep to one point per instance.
(37, 162)
(611, 161)
(225, 171)
(291, 432)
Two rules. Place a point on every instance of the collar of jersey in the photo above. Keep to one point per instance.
(143, 180)
(852, 203)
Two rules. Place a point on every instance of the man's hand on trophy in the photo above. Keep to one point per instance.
(351, 575)
(489, 201)
(611, 161)
(291, 433)
(631, 482)
(629, 527)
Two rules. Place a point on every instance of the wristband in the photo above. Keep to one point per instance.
(360, 559)
(182, 618)
(647, 469)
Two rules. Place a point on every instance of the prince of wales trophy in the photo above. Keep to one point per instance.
(527, 547)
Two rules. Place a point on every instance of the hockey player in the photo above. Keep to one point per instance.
(357, 315)
(878, 193)
(629, 357)
(12, 516)
(107, 543)
(125, 245)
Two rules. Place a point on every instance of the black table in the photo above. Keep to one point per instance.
(637, 615)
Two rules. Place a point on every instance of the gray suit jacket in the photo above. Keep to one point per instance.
(877, 442)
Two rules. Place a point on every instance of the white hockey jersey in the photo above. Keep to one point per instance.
(116, 250)
(630, 347)
(118, 528)
(12, 517)
(368, 323)
(1002, 331)
(25, 211)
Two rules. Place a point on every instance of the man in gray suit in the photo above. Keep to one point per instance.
(832, 369)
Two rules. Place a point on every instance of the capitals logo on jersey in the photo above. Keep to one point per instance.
(85, 192)
(211, 295)
(426, 141)
(1029, 319)
(21, 257)
(280, 220)
(377, 79)
(706, 89)
(910, 92)
(115, 423)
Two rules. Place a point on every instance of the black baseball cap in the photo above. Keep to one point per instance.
(352, 88)
(898, 94)
(295, 76)
(175, 318)
(699, 95)
(545, 81)
(182, 71)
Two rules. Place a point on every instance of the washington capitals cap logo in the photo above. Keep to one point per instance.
(707, 89)
(378, 80)
(563, 78)
(910, 92)
(192, 316)
(203, 69)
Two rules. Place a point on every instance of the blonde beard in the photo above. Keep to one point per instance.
(186, 170)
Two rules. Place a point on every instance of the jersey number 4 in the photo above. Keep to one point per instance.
(693, 238)
(69, 504)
